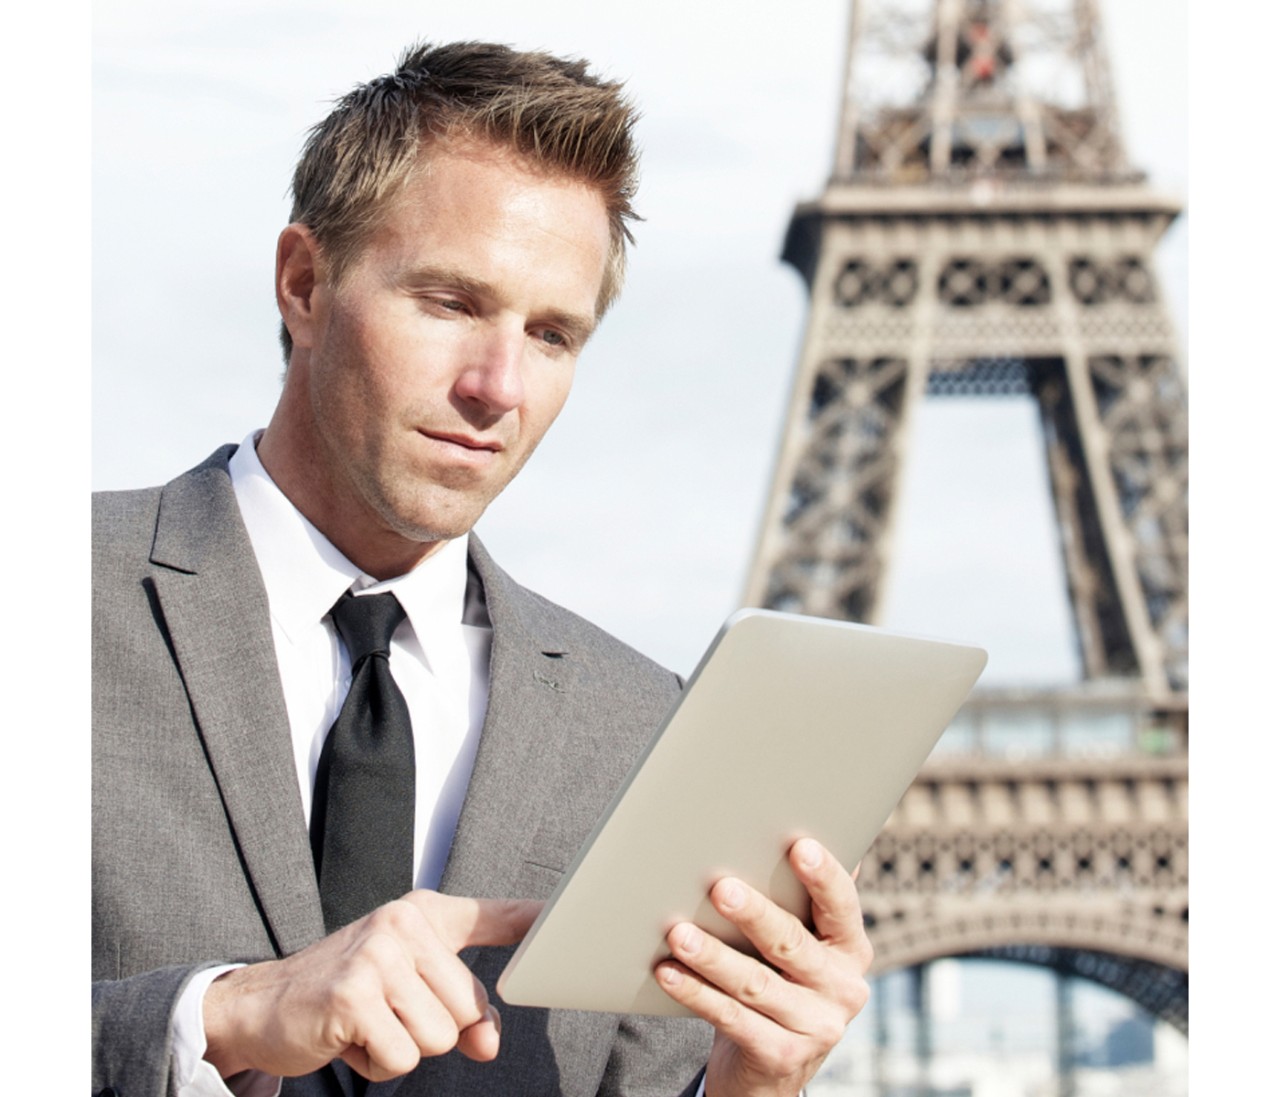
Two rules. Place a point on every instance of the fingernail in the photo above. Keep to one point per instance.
(690, 940)
(495, 1017)
(809, 853)
(732, 895)
(670, 976)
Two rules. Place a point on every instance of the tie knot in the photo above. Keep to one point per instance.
(366, 623)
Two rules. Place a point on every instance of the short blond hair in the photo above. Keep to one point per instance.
(556, 114)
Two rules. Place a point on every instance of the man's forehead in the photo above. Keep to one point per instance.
(466, 205)
(480, 153)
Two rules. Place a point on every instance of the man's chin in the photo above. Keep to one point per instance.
(442, 522)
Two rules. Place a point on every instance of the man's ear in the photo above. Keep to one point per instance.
(298, 271)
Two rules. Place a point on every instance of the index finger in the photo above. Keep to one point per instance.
(461, 922)
(833, 896)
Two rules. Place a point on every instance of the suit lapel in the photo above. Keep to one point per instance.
(524, 726)
(215, 608)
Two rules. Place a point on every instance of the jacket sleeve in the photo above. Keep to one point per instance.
(657, 1057)
(131, 1023)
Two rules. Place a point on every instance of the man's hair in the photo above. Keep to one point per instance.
(555, 114)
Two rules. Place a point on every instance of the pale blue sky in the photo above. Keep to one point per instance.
(691, 63)
(297, 56)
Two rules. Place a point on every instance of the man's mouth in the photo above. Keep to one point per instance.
(465, 441)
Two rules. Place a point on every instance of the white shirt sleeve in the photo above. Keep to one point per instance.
(193, 1076)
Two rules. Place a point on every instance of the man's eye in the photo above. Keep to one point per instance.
(552, 338)
(443, 304)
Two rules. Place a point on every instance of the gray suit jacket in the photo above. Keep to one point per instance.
(200, 850)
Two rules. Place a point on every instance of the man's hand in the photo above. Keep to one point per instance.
(775, 1021)
(381, 993)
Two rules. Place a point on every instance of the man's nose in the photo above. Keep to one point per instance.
(493, 375)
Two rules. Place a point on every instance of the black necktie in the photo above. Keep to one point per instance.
(362, 811)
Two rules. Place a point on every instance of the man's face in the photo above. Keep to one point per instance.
(424, 380)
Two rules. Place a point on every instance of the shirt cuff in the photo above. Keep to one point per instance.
(192, 1075)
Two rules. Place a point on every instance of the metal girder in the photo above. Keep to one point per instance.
(982, 234)
(1161, 991)
(927, 269)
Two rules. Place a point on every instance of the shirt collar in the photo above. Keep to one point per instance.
(305, 574)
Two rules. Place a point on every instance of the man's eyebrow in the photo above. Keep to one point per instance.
(580, 327)
(420, 277)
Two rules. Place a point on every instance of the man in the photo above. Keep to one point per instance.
(458, 231)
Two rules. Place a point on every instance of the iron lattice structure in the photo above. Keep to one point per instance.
(982, 234)
(1029, 841)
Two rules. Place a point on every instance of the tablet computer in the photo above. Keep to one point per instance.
(789, 727)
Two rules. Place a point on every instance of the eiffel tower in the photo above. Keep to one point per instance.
(983, 234)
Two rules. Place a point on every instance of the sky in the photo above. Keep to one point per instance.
(641, 509)
(740, 103)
